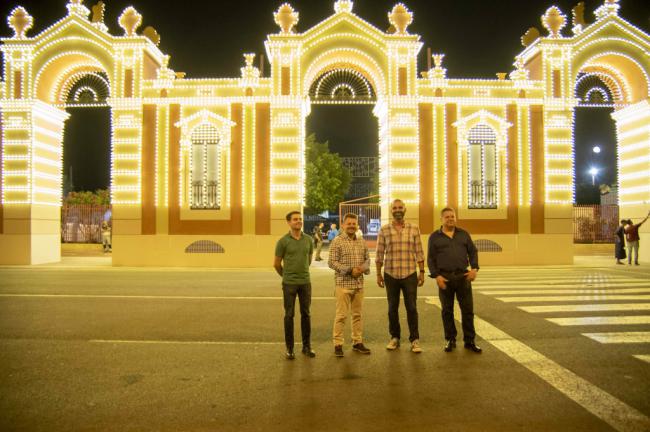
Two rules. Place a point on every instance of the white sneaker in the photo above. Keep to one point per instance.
(393, 344)
(415, 347)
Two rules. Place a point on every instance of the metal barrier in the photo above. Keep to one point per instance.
(82, 223)
(369, 214)
(595, 223)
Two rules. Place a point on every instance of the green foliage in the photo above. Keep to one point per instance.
(99, 197)
(327, 179)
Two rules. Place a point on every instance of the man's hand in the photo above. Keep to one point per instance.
(356, 272)
(421, 279)
(441, 282)
(380, 280)
(471, 275)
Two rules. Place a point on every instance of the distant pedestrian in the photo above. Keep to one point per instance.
(106, 237)
(633, 238)
(451, 252)
(318, 240)
(332, 233)
(350, 260)
(293, 254)
(399, 248)
(619, 242)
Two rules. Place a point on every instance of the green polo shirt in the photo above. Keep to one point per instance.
(295, 258)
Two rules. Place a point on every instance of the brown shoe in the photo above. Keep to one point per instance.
(338, 350)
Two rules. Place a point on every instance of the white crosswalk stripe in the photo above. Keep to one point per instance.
(620, 301)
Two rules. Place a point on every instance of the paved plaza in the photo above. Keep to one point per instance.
(89, 347)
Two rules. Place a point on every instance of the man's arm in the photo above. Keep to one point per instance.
(472, 253)
(379, 257)
(419, 256)
(431, 258)
(277, 264)
(334, 259)
(366, 259)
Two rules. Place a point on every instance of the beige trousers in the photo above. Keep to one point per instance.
(348, 300)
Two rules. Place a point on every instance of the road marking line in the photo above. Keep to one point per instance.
(586, 307)
(598, 402)
(150, 297)
(620, 337)
(568, 291)
(601, 320)
(643, 357)
(560, 282)
(572, 298)
(171, 342)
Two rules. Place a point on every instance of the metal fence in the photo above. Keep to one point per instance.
(82, 223)
(595, 223)
(369, 215)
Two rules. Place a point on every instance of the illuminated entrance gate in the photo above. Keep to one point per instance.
(204, 170)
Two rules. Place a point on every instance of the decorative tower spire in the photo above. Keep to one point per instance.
(130, 20)
(554, 21)
(286, 17)
(343, 6)
(76, 7)
(250, 75)
(610, 7)
(20, 21)
(400, 18)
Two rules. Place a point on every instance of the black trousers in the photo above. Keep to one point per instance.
(303, 292)
(409, 289)
(461, 288)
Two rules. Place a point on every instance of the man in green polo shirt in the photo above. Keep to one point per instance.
(293, 254)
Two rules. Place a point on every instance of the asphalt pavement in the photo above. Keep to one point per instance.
(89, 347)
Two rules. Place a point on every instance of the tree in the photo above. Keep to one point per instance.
(327, 179)
(99, 197)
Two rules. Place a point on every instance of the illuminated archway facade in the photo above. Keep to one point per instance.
(222, 160)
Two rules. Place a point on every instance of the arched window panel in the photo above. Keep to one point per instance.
(483, 168)
(205, 168)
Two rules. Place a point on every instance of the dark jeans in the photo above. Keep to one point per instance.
(462, 289)
(304, 298)
(409, 289)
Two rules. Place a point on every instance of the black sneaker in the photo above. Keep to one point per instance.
(360, 348)
(306, 350)
(338, 350)
(290, 355)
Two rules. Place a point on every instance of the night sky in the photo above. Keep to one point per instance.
(207, 39)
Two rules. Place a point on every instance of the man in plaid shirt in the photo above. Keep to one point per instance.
(349, 258)
(399, 249)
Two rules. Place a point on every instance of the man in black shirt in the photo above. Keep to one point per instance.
(451, 251)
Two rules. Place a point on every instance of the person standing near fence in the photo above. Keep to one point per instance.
(318, 240)
(619, 242)
(399, 251)
(633, 238)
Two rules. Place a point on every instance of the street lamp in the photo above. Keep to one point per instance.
(593, 171)
(596, 149)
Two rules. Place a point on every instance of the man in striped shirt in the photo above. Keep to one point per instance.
(399, 251)
(350, 260)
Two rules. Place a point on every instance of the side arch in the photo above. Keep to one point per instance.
(58, 61)
(622, 60)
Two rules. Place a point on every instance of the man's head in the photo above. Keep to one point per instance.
(350, 223)
(333, 226)
(294, 220)
(321, 225)
(623, 221)
(398, 209)
(448, 216)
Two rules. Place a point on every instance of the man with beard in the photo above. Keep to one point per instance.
(399, 251)
(451, 252)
